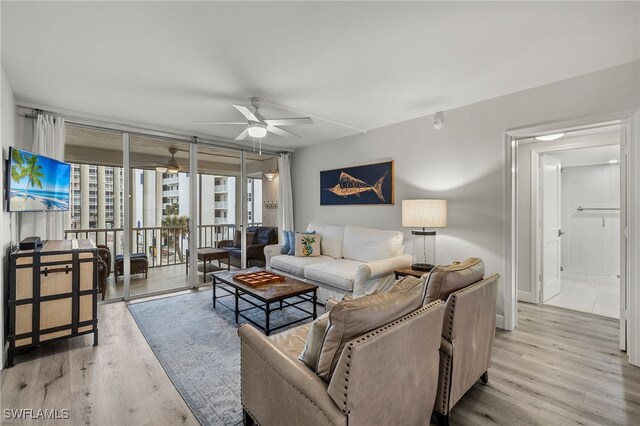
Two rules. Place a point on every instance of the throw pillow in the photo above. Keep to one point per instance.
(313, 345)
(237, 238)
(286, 242)
(308, 245)
(444, 280)
(352, 318)
(292, 241)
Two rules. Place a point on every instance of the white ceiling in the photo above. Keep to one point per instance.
(588, 156)
(365, 64)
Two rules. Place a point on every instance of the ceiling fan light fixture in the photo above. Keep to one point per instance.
(257, 130)
(161, 169)
(173, 169)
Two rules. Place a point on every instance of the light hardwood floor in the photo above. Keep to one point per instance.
(557, 367)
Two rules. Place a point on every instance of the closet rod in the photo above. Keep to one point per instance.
(597, 208)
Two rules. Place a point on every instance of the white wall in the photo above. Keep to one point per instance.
(591, 243)
(8, 124)
(464, 162)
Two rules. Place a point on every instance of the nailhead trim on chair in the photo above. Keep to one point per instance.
(283, 378)
(374, 333)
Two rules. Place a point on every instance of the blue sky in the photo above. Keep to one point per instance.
(56, 175)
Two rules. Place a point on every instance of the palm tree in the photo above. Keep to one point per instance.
(172, 209)
(17, 170)
(180, 225)
(33, 172)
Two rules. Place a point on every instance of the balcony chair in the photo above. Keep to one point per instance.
(262, 237)
(468, 329)
(138, 261)
(104, 268)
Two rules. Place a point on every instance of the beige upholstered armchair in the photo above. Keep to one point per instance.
(467, 332)
(387, 375)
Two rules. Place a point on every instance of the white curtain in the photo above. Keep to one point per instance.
(285, 210)
(48, 140)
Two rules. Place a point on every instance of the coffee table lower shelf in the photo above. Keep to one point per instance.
(287, 301)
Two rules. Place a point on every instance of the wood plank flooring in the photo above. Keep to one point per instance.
(557, 367)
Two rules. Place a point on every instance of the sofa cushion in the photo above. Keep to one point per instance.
(295, 265)
(292, 341)
(263, 234)
(444, 280)
(352, 318)
(313, 344)
(368, 244)
(308, 245)
(402, 285)
(332, 238)
(339, 273)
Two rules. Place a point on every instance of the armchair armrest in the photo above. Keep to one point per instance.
(224, 243)
(255, 251)
(278, 389)
(270, 251)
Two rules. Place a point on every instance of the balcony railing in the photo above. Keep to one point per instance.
(163, 245)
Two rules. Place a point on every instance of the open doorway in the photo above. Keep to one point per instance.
(571, 195)
(581, 251)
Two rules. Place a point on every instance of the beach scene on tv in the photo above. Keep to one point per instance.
(37, 183)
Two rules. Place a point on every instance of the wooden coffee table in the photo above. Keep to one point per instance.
(290, 293)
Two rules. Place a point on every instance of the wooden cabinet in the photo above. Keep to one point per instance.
(53, 293)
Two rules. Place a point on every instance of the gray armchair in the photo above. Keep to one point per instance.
(467, 332)
(386, 376)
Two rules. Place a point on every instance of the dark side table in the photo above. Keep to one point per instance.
(408, 271)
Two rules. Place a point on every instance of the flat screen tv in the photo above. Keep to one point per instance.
(36, 183)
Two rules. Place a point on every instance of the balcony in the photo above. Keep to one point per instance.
(221, 188)
(171, 193)
(221, 205)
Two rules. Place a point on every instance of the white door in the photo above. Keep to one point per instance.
(550, 178)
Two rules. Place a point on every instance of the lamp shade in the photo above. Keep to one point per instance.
(424, 213)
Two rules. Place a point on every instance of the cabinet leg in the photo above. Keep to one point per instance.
(95, 338)
(485, 377)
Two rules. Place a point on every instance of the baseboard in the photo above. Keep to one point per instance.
(525, 296)
(500, 322)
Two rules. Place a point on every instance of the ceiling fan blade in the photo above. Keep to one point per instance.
(281, 132)
(246, 112)
(219, 122)
(288, 121)
(242, 135)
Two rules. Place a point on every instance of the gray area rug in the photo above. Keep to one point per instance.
(199, 348)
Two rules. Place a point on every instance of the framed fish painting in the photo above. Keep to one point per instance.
(369, 184)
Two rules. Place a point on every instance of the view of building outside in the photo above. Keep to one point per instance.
(157, 200)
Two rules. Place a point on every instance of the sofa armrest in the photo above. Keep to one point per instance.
(278, 389)
(270, 251)
(382, 267)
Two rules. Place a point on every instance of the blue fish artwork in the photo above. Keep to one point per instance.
(370, 184)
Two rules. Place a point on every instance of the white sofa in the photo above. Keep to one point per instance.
(354, 260)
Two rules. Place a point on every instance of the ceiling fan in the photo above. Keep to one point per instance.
(257, 125)
(171, 166)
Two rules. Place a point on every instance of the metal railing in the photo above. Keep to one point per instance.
(164, 245)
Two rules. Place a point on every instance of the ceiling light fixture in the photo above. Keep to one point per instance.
(160, 169)
(614, 161)
(552, 137)
(257, 130)
(270, 175)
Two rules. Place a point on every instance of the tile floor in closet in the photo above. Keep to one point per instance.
(600, 297)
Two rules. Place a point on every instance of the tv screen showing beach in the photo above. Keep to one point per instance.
(37, 183)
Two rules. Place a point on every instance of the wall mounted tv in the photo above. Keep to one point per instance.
(37, 183)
